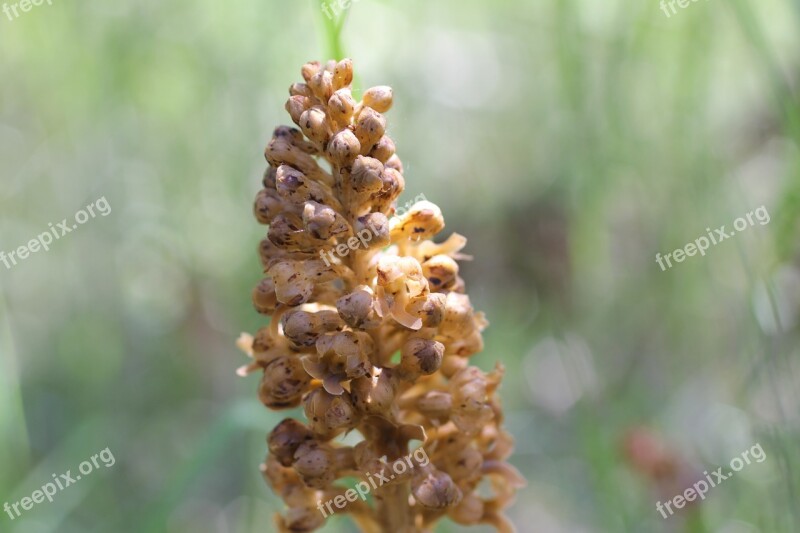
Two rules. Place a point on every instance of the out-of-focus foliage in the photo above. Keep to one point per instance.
(570, 140)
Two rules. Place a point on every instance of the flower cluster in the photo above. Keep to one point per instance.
(376, 340)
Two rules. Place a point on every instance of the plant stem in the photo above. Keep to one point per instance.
(333, 32)
(392, 508)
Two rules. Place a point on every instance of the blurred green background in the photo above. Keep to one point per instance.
(569, 140)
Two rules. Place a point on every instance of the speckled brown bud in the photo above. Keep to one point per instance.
(267, 205)
(374, 228)
(358, 309)
(436, 405)
(347, 353)
(344, 148)
(302, 328)
(310, 69)
(343, 74)
(284, 440)
(341, 107)
(441, 271)
(269, 177)
(379, 98)
(395, 163)
(421, 356)
(374, 394)
(294, 281)
(383, 149)
(296, 187)
(286, 231)
(299, 89)
(430, 308)
(284, 383)
(469, 512)
(264, 298)
(262, 341)
(367, 174)
(296, 105)
(435, 490)
(328, 414)
(314, 124)
(369, 129)
(423, 221)
(315, 465)
(321, 85)
(322, 221)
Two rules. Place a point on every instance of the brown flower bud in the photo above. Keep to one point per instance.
(422, 221)
(341, 107)
(347, 353)
(376, 226)
(374, 394)
(314, 123)
(286, 232)
(321, 85)
(296, 105)
(294, 137)
(343, 74)
(267, 205)
(269, 177)
(323, 222)
(395, 163)
(344, 148)
(284, 383)
(435, 490)
(262, 341)
(383, 149)
(299, 89)
(463, 463)
(292, 286)
(436, 405)
(393, 185)
(430, 308)
(329, 414)
(378, 98)
(315, 464)
(264, 299)
(302, 328)
(471, 409)
(370, 127)
(358, 309)
(284, 440)
(441, 271)
(309, 70)
(469, 512)
(296, 187)
(366, 176)
(458, 318)
(421, 356)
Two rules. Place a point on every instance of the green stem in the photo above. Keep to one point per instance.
(333, 30)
